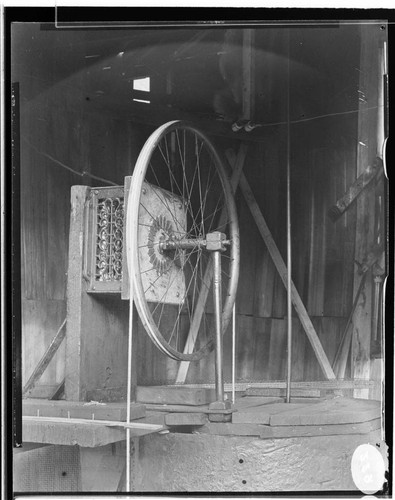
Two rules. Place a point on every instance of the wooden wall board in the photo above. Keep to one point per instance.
(333, 411)
(260, 357)
(248, 239)
(174, 395)
(245, 346)
(39, 325)
(278, 339)
(299, 341)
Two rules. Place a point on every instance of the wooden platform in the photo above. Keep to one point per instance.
(268, 417)
(85, 424)
(95, 424)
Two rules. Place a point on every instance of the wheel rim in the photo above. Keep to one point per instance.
(180, 190)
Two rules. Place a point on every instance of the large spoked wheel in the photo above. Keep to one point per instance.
(179, 194)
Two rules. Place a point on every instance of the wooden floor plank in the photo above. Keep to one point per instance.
(288, 431)
(183, 409)
(247, 402)
(262, 414)
(332, 411)
(227, 429)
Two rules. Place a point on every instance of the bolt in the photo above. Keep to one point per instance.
(143, 190)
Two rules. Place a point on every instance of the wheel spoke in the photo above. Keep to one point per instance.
(182, 165)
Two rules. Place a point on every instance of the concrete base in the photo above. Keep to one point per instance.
(200, 462)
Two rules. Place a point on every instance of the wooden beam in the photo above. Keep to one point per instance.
(175, 395)
(85, 433)
(282, 270)
(79, 409)
(183, 408)
(177, 419)
(87, 423)
(281, 392)
(46, 359)
(208, 275)
(246, 387)
(356, 188)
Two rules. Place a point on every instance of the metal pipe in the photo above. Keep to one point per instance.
(219, 381)
(289, 270)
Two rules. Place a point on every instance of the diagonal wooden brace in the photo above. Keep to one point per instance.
(282, 270)
(46, 358)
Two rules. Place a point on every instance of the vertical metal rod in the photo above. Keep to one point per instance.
(219, 381)
(289, 262)
(129, 383)
(233, 352)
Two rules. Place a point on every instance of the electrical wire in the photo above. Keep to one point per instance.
(84, 173)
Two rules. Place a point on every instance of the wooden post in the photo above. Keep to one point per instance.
(97, 324)
(370, 79)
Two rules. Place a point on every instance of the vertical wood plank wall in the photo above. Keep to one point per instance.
(59, 134)
(58, 125)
